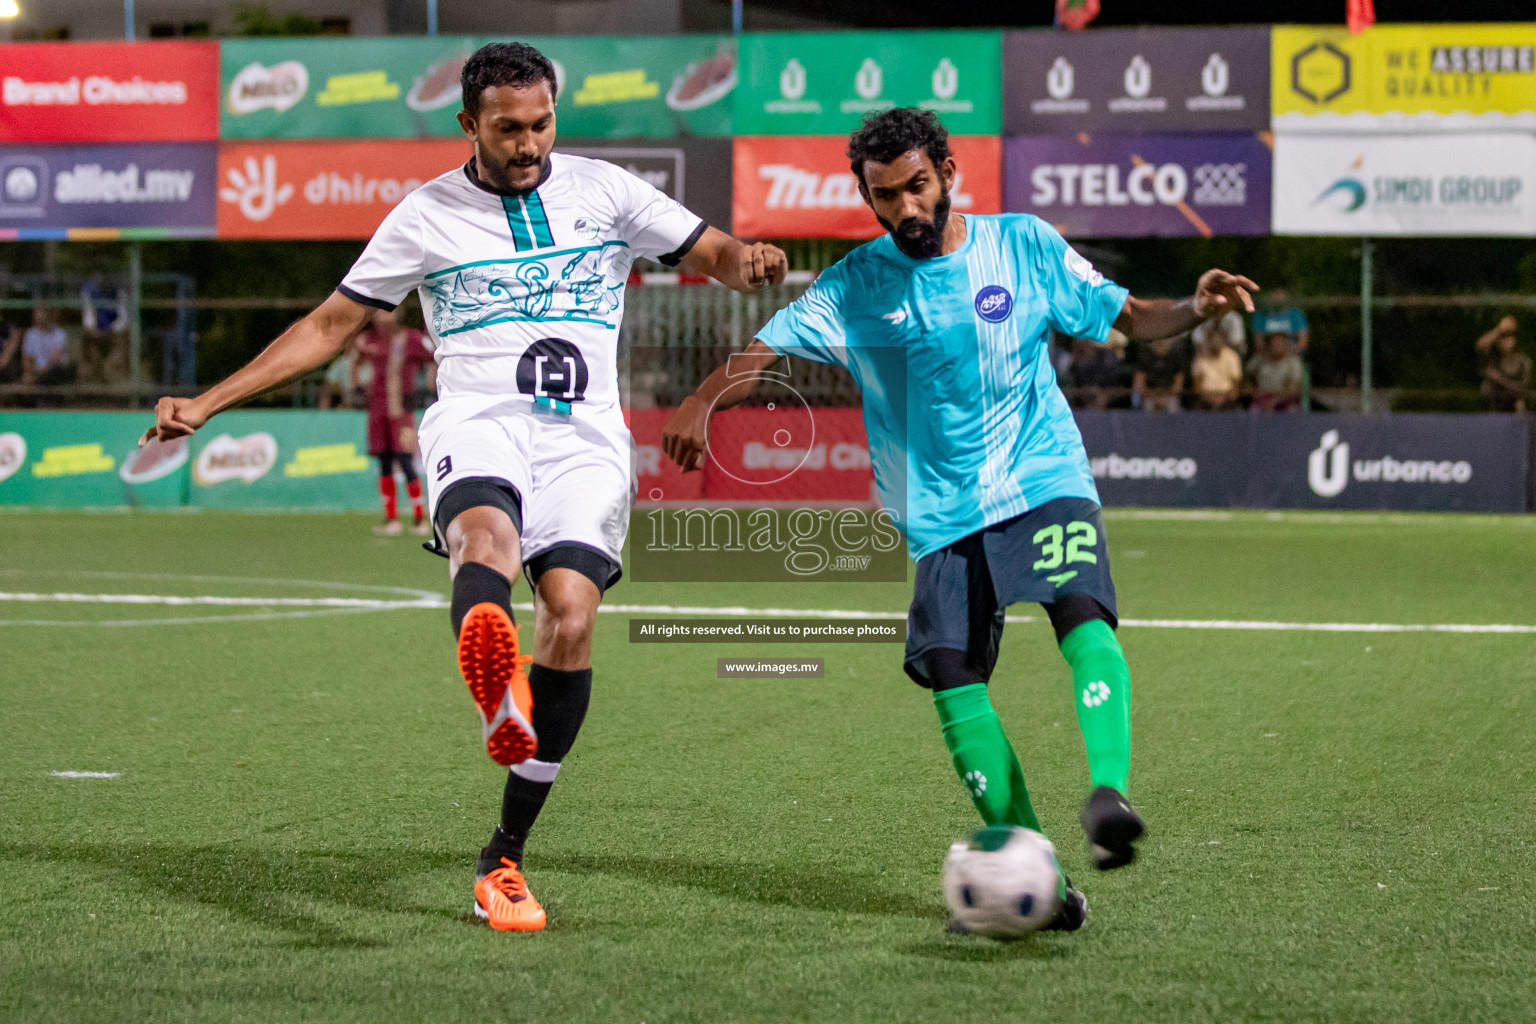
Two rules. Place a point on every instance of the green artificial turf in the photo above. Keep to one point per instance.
(1341, 824)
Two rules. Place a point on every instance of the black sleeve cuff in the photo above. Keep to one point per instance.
(675, 257)
(365, 300)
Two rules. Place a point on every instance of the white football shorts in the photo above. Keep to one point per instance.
(576, 475)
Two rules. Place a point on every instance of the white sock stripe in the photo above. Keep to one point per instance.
(537, 771)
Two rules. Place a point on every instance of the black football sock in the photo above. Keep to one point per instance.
(560, 702)
(474, 584)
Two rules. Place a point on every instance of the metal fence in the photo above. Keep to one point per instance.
(674, 334)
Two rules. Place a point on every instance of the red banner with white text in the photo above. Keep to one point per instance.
(801, 186)
(109, 92)
(761, 457)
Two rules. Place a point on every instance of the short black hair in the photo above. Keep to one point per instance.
(516, 64)
(886, 134)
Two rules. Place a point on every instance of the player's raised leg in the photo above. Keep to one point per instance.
(566, 597)
(481, 519)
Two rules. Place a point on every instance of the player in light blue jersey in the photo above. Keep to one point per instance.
(944, 322)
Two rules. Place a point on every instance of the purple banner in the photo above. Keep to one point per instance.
(1127, 186)
(1136, 80)
(165, 190)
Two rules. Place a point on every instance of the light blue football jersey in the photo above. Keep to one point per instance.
(966, 425)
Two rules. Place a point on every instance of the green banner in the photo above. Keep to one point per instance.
(823, 83)
(253, 459)
(279, 459)
(87, 459)
(409, 87)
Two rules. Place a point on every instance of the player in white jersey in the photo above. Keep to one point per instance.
(520, 259)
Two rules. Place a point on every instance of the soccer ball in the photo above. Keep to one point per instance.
(1004, 883)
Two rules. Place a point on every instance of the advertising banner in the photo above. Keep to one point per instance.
(1122, 186)
(1136, 80)
(695, 172)
(1192, 460)
(1407, 462)
(109, 92)
(1426, 184)
(169, 187)
(1416, 462)
(409, 87)
(801, 187)
(1404, 77)
(823, 83)
(280, 459)
(87, 459)
(323, 189)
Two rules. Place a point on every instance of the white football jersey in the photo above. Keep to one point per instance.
(523, 294)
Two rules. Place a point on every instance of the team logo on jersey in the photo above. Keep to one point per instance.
(553, 368)
(587, 228)
(993, 304)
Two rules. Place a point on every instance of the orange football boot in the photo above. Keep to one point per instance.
(498, 681)
(502, 898)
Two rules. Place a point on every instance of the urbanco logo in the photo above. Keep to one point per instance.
(1328, 466)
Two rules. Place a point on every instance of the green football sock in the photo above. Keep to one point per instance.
(1101, 684)
(983, 757)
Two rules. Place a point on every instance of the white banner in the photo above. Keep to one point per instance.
(1431, 184)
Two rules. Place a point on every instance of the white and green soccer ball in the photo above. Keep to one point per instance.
(1003, 883)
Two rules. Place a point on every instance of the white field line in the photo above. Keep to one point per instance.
(313, 606)
(259, 602)
(85, 775)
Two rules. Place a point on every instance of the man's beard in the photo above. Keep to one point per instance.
(499, 176)
(919, 238)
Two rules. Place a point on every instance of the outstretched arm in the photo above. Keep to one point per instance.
(1504, 326)
(307, 345)
(1217, 293)
(685, 438)
(736, 264)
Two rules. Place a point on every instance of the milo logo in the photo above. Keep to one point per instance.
(249, 459)
(13, 452)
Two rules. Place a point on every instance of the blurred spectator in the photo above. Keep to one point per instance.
(347, 379)
(1159, 370)
(10, 351)
(1217, 374)
(1507, 373)
(1229, 327)
(1276, 373)
(396, 352)
(1281, 317)
(104, 332)
(45, 351)
(1096, 371)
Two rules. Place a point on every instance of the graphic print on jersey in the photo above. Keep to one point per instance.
(488, 292)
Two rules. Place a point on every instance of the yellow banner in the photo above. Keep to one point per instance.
(1402, 76)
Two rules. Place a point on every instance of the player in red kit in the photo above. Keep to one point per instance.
(397, 354)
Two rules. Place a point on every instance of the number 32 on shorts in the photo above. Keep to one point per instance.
(1080, 540)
